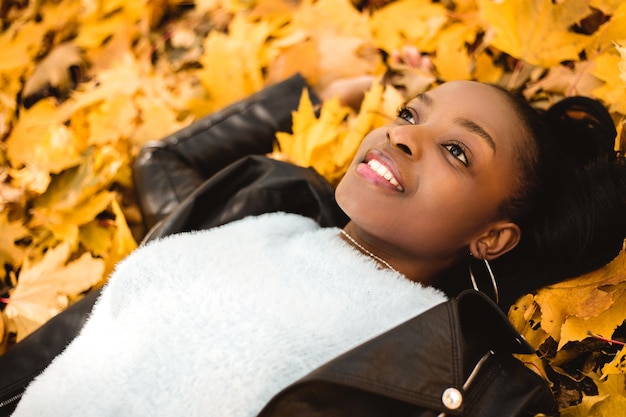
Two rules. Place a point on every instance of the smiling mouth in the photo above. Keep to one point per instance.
(383, 172)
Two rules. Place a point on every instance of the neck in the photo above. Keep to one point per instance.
(412, 267)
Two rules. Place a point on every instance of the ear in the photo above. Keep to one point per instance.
(496, 241)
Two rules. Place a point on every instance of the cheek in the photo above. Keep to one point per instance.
(346, 194)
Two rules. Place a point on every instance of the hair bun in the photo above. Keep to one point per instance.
(584, 127)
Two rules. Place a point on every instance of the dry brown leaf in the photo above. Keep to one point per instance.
(299, 57)
(357, 57)
(566, 81)
(54, 73)
(44, 288)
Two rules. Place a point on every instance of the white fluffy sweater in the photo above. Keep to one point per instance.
(214, 323)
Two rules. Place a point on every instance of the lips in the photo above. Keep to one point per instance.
(383, 171)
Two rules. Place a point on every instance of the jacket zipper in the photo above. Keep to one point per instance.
(12, 399)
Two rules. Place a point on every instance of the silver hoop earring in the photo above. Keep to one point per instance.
(493, 280)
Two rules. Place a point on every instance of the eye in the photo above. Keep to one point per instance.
(407, 115)
(457, 151)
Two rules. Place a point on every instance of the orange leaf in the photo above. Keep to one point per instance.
(536, 31)
(408, 22)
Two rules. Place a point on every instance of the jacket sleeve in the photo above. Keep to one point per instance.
(169, 170)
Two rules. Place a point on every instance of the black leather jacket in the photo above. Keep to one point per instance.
(207, 174)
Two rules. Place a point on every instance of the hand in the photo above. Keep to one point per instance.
(349, 91)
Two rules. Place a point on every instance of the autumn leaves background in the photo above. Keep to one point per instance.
(83, 84)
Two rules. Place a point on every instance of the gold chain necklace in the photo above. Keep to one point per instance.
(367, 252)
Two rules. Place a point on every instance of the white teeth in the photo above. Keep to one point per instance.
(381, 170)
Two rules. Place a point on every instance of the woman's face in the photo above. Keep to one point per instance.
(428, 184)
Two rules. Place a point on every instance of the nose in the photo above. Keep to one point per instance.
(400, 136)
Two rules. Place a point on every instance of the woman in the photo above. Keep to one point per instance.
(216, 322)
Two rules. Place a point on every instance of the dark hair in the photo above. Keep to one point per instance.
(571, 206)
(570, 201)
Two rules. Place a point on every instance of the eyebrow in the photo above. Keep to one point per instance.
(467, 124)
(474, 128)
(425, 99)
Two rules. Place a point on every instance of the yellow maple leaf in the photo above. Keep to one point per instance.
(225, 79)
(452, 60)
(582, 409)
(123, 78)
(614, 30)
(607, 7)
(593, 293)
(613, 383)
(76, 196)
(45, 288)
(20, 45)
(157, 120)
(108, 48)
(112, 120)
(314, 140)
(536, 31)
(525, 316)
(617, 366)
(612, 92)
(302, 120)
(613, 405)
(123, 242)
(38, 141)
(96, 29)
(622, 64)
(10, 232)
(407, 22)
(485, 69)
(365, 121)
(576, 328)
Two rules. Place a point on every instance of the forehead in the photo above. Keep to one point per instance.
(482, 104)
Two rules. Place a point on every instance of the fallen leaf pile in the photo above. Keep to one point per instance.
(84, 84)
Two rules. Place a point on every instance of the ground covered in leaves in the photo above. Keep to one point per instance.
(83, 84)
